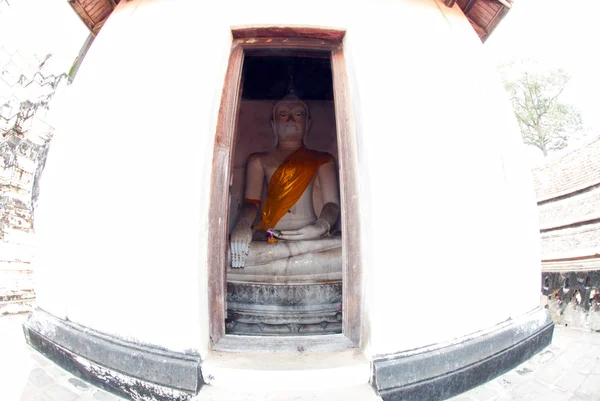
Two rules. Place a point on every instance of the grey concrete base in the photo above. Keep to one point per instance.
(434, 373)
(440, 372)
(126, 369)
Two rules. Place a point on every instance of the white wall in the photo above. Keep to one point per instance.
(448, 213)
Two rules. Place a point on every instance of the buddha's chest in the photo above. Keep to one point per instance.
(287, 170)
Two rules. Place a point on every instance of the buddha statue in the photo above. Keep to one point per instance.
(293, 241)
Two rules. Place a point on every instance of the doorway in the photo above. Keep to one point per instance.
(285, 53)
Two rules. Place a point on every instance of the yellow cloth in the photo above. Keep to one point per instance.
(289, 182)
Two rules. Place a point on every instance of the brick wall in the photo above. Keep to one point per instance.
(568, 193)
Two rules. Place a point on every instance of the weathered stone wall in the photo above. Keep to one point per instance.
(24, 140)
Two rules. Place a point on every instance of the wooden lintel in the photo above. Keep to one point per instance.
(243, 32)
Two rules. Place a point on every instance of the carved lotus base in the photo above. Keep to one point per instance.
(284, 309)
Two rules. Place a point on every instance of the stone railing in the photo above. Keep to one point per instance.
(573, 297)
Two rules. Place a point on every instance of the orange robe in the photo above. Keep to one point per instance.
(289, 182)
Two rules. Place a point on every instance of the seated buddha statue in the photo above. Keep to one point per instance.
(292, 241)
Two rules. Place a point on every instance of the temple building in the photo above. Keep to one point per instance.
(568, 196)
(275, 198)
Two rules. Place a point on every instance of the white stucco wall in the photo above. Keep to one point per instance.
(450, 241)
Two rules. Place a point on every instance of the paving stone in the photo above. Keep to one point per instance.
(545, 357)
(512, 379)
(32, 393)
(495, 385)
(590, 389)
(483, 393)
(587, 364)
(571, 381)
(524, 370)
(504, 397)
(550, 374)
(561, 339)
(530, 388)
(89, 396)
(39, 378)
(101, 395)
(34, 397)
(57, 392)
(462, 397)
(594, 338)
(552, 395)
(56, 371)
(570, 359)
(78, 383)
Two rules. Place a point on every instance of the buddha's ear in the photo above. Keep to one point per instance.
(306, 131)
(275, 137)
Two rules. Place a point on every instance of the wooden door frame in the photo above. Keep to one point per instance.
(222, 168)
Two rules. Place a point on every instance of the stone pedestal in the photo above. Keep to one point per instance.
(280, 309)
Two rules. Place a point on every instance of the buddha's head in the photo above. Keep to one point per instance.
(290, 119)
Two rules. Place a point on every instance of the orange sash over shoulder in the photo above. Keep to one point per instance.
(289, 182)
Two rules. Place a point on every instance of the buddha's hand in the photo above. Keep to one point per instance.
(314, 231)
(241, 236)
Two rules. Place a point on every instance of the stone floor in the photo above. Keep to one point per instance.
(568, 370)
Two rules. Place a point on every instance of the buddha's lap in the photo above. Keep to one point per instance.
(291, 262)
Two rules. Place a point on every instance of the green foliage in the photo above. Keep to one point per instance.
(545, 122)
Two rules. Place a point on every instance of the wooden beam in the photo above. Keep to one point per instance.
(469, 6)
(352, 269)
(495, 21)
(218, 221)
(243, 32)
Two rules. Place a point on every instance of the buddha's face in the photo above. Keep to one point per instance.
(290, 121)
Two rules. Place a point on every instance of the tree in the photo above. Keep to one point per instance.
(545, 122)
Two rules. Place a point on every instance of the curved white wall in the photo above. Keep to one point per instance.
(450, 241)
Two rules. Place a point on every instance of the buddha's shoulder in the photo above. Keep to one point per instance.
(257, 157)
(321, 155)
